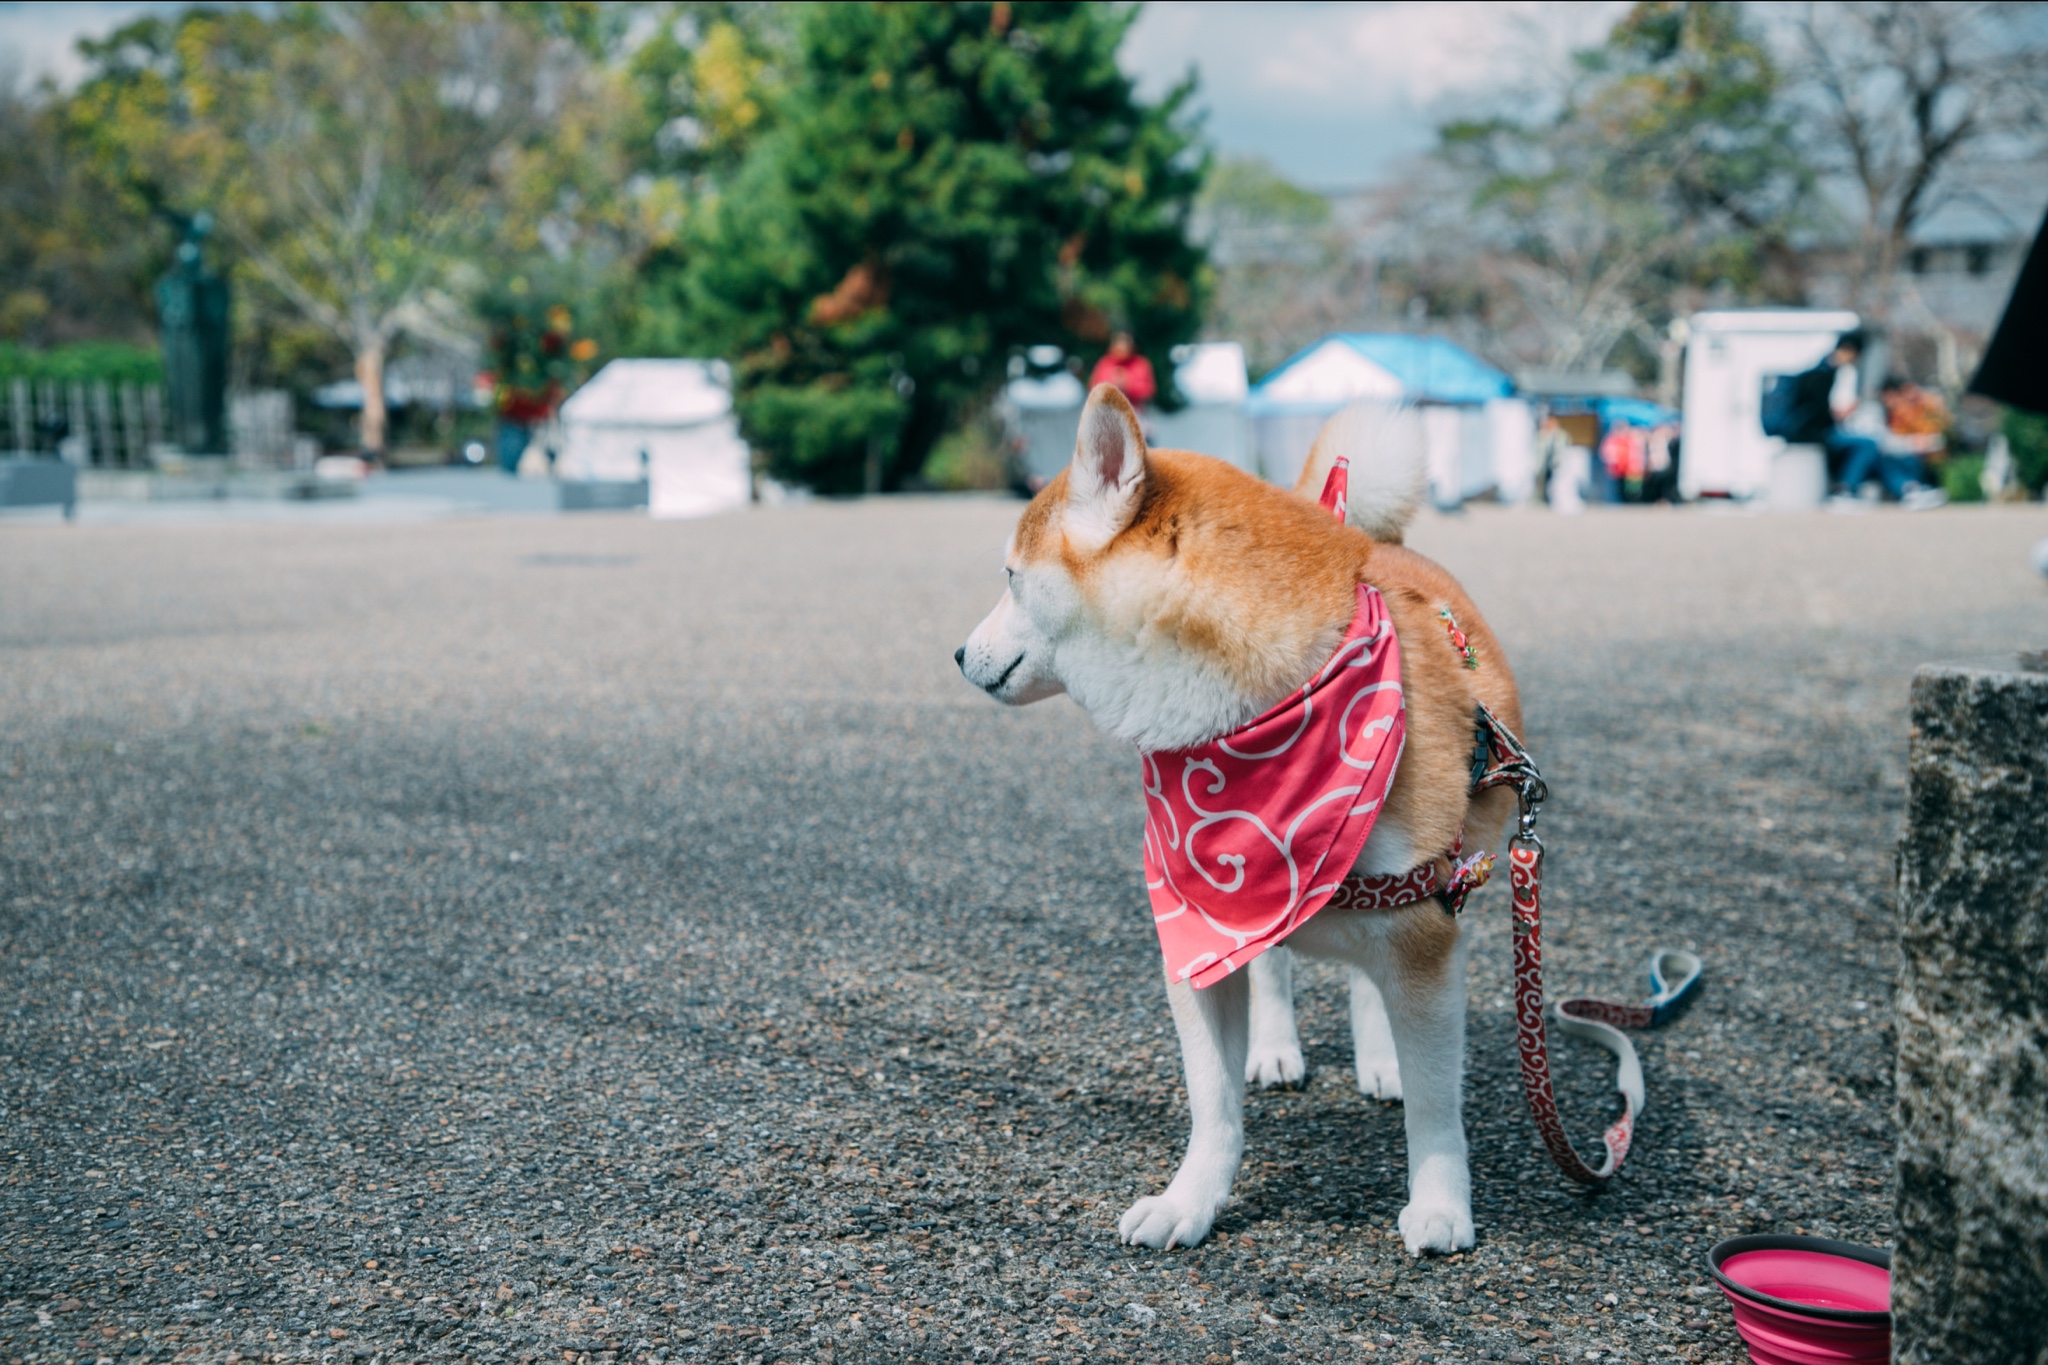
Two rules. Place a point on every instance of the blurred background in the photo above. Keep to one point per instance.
(695, 254)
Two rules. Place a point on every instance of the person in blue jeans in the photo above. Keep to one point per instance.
(1822, 398)
(1866, 460)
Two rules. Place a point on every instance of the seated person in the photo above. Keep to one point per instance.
(1913, 427)
(1822, 399)
(1916, 421)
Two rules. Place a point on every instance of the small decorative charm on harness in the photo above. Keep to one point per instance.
(1465, 648)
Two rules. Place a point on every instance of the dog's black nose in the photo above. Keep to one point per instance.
(960, 657)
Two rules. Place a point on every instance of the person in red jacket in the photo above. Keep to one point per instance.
(1126, 369)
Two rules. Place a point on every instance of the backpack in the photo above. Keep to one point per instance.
(1780, 410)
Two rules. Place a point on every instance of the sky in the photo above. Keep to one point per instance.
(1333, 94)
(38, 38)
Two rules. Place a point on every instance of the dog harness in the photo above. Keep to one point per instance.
(1234, 917)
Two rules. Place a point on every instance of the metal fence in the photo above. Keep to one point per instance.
(87, 424)
(116, 426)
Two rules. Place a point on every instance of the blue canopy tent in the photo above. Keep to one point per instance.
(1634, 412)
(1422, 369)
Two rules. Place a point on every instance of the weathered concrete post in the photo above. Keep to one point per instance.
(1970, 1270)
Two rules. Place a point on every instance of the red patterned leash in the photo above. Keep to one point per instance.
(1673, 975)
(1500, 760)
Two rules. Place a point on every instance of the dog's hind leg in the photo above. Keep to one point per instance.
(1417, 959)
(1274, 1056)
(1372, 1039)
(1212, 1024)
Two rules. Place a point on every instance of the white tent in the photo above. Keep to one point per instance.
(668, 422)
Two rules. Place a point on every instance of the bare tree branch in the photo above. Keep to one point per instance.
(1907, 98)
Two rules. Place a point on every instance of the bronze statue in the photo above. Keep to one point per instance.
(192, 306)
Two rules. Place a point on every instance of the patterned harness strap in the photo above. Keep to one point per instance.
(1499, 759)
(1451, 877)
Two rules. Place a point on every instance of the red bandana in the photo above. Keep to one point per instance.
(1248, 835)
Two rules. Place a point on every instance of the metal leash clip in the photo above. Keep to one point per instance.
(1532, 794)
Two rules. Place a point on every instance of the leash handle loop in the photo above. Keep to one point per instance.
(1673, 975)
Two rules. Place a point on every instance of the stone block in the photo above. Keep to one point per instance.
(1970, 1266)
(1798, 479)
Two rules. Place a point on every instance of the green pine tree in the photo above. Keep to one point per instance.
(940, 186)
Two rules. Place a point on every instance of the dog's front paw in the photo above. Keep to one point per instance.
(1379, 1076)
(1436, 1227)
(1275, 1064)
(1171, 1219)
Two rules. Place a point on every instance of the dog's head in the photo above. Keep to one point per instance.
(1173, 596)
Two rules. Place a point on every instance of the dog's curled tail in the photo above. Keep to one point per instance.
(1388, 466)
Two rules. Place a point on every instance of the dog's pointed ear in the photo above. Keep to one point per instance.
(1107, 477)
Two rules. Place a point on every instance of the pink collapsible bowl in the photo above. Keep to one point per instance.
(1807, 1300)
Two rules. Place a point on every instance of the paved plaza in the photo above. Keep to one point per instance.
(589, 939)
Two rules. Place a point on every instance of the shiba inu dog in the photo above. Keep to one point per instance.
(1176, 599)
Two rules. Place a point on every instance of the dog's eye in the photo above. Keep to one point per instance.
(1010, 577)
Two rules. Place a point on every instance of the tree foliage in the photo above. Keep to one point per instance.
(1665, 170)
(1905, 102)
(75, 262)
(941, 185)
(358, 157)
(1286, 270)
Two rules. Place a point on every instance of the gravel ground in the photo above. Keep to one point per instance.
(590, 939)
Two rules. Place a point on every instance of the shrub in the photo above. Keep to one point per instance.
(87, 362)
(2028, 435)
(1962, 478)
(971, 456)
(815, 424)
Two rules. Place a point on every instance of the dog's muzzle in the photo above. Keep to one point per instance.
(995, 685)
